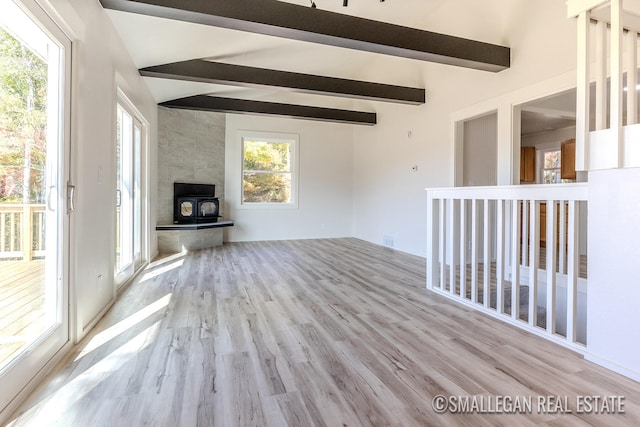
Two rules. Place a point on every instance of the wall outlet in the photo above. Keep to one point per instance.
(388, 240)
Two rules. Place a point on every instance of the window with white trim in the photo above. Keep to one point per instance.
(551, 167)
(269, 169)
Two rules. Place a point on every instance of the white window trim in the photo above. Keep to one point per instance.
(291, 138)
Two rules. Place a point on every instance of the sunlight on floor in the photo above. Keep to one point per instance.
(122, 326)
(162, 266)
(48, 410)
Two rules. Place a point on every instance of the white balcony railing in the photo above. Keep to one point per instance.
(486, 249)
(22, 231)
(607, 120)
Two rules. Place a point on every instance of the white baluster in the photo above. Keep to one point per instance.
(12, 231)
(583, 94)
(487, 254)
(601, 75)
(525, 233)
(453, 247)
(515, 258)
(432, 228)
(551, 264)
(632, 77)
(463, 248)
(499, 254)
(534, 259)
(474, 250)
(573, 259)
(562, 246)
(443, 244)
(3, 219)
(616, 81)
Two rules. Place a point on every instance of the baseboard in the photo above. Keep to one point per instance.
(423, 256)
(629, 373)
(93, 322)
(420, 255)
(132, 279)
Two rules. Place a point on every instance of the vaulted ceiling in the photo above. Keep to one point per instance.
(196, 31)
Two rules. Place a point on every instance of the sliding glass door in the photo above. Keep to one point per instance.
(34, 210)
(130, 133)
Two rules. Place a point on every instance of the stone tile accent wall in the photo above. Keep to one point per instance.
(174, 241)
(190, 149)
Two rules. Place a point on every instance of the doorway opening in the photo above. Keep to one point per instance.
(547, 140)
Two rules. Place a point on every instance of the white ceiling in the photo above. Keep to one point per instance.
(544, 115)
(154, 41)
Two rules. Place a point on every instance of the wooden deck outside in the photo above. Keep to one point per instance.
(22, 305)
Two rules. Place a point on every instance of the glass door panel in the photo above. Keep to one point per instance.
(137, 195)
(123, 192)
(33, 175)
(130, 133)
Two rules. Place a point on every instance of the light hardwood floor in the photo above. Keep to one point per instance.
(334, 332)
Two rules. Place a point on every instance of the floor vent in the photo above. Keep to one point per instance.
(387, 240)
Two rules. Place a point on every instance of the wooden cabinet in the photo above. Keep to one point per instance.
(568, 160)
(527, 165)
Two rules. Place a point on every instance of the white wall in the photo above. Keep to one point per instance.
(480, 153)
(325, 193)
(389, 196)
(100, 65)
(384, 155)
(614, 235)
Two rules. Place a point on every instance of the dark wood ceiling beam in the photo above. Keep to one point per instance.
(297, 22)
(199, 70)
(243, 106)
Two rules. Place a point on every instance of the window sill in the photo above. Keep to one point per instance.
(267, 206)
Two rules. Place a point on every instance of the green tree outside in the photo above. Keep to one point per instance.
(23, 122)
(267, 172)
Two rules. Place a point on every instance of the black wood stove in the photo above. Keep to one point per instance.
(195, 203)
